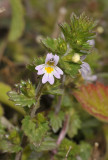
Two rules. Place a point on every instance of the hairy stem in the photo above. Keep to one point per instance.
(61, 135)
(38, 94)
(58, 106)
(64, 130)
(32, 114)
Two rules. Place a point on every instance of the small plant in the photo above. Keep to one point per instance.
(43, 132)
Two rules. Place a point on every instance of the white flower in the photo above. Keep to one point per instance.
(49, 69)
(86, 72)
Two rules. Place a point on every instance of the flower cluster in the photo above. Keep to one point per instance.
(49, 69)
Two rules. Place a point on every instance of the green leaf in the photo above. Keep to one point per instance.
(67, 101)
(70, 68)
(47, 145)
(53, 90)
(4, 88)
(84, 151)
(37, 61)
(64, 148)
(18, 22)
(79, 32)
(75, 152)
(20, 99)
(26, 96)
(74, 124)
(35, 133)
(56, 120)
(6, 146)
(57, 46)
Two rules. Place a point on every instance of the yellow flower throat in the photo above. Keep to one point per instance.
(49, 69)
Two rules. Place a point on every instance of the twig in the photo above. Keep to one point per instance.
(68, 152)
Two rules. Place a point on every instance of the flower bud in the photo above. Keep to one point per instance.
(76, 58)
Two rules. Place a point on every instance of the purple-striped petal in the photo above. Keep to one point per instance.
(48, 57)
(45, 78)
(56, 74)
(56, 59)
(39, 67)
(59, 70)
(51, 79)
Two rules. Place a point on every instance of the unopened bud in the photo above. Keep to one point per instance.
(76, 58)
(100, 29)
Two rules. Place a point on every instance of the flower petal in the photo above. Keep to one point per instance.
(56, 74)
(45, 78)
(48, 57)
(39, 67)
(51, 79)
(41, 71)
(59, 70)
(91, 78)
(86, 66)
(56, 59)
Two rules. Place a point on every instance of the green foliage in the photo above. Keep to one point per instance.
(18, 23)
(78, 33)
(4, 88)
(36, 132)
(67, 102)
(56, 120)
(70, 68)
(47, 145)
(37, 61)
(84, 151)
(74, 124)
(42, 132)
(53, 90)
(72, 151)
(57, 46)
(6, 144)
(26, 95)
(64, 148)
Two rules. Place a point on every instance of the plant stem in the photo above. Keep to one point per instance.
(32, 114)
(58, 106)
(23, 144)
(64, 130)
(38, 94)
(61, 135)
